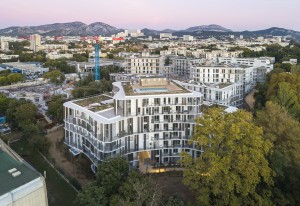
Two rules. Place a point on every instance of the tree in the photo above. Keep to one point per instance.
(25, 114)
(112, 173)
(3, 81)
(137, 190)
(4, 101)
(55, 76)
(284, 132)
(61, 65)
(233, 167)
(116, 185)
(14, 78)
(92, 195)
(55, 107)
(30, 130)
(287, 98)
(11, 110)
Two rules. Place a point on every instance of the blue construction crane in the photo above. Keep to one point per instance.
(97, 62)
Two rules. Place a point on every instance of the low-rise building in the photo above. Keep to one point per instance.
(20, 184)
(27, 68)
(55, 55)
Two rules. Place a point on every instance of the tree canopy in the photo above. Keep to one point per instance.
(117, 185)
(233, 166)
(284, 132)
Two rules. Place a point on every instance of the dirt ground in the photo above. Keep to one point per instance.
(249, 99)
(172, 185)
(76, 167)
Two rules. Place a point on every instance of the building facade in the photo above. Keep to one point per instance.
(144, 64)
(35, 42)
(149, 122)
(212, 74)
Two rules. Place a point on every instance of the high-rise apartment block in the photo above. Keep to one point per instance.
(35, 41)
(149, 121)
(144, 64)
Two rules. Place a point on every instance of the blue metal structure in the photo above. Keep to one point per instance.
(97, 63)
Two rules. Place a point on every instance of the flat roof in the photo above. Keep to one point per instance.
(8, 182)
(137, 89)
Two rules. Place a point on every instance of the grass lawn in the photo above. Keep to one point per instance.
(59, 191)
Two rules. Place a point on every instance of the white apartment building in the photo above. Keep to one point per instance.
(188, 38)
(55, 55)
(35, 41)
(144, 64)
(52, 47)
(4, 45)
(263, 65)
(252, 62)
(225, 94)
(211, 74)
(149, 122)
(182, 66)
(133, 32)
(165, 35)
(5, 56)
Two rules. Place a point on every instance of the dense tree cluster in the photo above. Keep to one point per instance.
(117, 185)
(61, 65)
(22, 115)
(55, 76)
(7, 78)
(275, 50)
(233, 170)
(88, 87)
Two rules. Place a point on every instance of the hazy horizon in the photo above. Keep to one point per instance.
(238, 15)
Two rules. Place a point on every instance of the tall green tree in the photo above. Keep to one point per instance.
(4, 101)
(55, 76)
(287, 98)
(14, 78)
(55, 107)
(117, 185)
(25, 114)
(284, 132)
(138, 189)
(233, 167)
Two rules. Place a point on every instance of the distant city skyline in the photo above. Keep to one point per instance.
(237, 15)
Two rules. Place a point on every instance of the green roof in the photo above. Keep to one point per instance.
(8, 182)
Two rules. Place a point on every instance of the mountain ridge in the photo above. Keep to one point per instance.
(77, 28)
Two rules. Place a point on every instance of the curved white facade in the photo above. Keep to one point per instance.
(158, 123)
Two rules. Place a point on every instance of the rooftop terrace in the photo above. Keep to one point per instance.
(150, 86)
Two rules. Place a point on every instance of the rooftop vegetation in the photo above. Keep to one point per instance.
(91, 100)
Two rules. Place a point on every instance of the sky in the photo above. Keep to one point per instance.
(237, 15)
